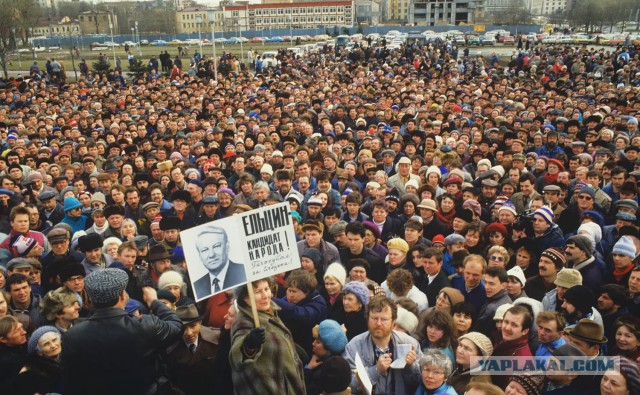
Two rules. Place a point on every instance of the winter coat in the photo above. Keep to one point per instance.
(12, 359)
(476, 296)
(190, 371)
(485, 323)
(301, 317)
(406, 380)
(444, 389)
(355, 322)
(459, 379)
(76, 223)
(127, 346)
(377, 268)
(551, 238)
(42, 376)
(328, 251)
(275, 368)
(512, 348)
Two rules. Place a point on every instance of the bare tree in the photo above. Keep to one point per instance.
(587, 13)
(27, 14)
(8, 16)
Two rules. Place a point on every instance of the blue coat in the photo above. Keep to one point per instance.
(300, 318)
(444, 389)
(476, 296)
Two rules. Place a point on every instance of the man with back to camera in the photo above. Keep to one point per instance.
(127, 345)
(213, 248)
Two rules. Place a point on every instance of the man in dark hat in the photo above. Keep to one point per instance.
(51, 210)
(181, 209)
(170, 226)
(209, 211)
(72, 279)
(128, 346)
(191, 359)
(114, 215)
(159, 262)
(579, 303)
(94, 259)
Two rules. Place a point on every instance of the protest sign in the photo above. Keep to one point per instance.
(229, 252)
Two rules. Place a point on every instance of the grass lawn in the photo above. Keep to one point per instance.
(64, 54)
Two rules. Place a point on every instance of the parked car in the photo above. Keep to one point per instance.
(508, 40)
(275, 39)
(488, 39)
(472, 39)
(110, 44)
(257, 40)
(158, 43)
(144, 42)
(130, 43)
(176, 42)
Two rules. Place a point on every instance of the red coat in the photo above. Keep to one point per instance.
(512, 348)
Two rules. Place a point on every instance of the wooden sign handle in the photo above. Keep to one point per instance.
(254, 309)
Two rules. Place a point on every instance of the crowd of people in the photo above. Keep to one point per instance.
(448, 207)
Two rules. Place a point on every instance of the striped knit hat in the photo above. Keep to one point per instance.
(556, 255)
(546, 213)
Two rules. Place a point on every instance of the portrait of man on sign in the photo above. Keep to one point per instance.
(213, 249)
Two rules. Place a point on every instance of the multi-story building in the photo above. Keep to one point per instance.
(496, 6)
(52, 27)
(398, 11)
(98, 22)
(280, 15)
(368, 12)
(199, 19)
(244, 16)
(552, 6)
(447, 12)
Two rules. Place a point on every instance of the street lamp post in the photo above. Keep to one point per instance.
(113, 47)
(290, 30)
(199, 22)
(33, 44)
(15, 44)
(139, 41)
(215, 57)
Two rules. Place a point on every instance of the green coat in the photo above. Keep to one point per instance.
(276, 368)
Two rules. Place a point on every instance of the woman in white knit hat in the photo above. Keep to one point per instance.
(334, 278)
(173, 282)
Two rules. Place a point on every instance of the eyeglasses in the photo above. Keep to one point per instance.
(76, 279)
(496, 258)
(585, 197)
(380, 319)
(432, 372)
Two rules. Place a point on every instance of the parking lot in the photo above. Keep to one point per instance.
(501, 42)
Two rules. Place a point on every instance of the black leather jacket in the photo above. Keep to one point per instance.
(115, 353)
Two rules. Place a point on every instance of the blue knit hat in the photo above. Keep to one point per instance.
(332, 336)
(37, 334)
(104, 287)
(70, 203)
(625, 246)
(359, 290)
(546, 214)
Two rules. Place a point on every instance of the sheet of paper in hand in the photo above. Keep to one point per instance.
(401, 353)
